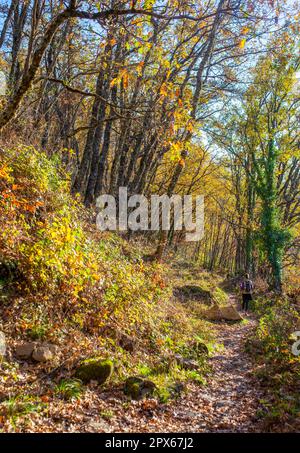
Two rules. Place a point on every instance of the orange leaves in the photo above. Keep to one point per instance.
(29, 208)
(182, 162)
(149, 405)
(125, 79)
(190, 126)
(140, 67)
(123, 76)
(18, 202)
(245, 30)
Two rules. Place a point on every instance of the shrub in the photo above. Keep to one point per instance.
(69, 389)
(278, 322)
(63, 266)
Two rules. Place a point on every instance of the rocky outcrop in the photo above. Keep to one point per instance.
(43, 352)
(219, 313)
(25, 350)
(229, 313)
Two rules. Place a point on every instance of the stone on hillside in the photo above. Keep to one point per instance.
(25, 350)
(94, 369)
(138, 388)
(53, 348)
(213, 313)
(2, 345)
(42, 354)
(226, 313)
(229, 313)
(39, 352)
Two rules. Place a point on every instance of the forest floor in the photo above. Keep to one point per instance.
(228, 403)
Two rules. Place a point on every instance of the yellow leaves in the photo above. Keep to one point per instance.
(114, 82)
(148, 4)
(168, 73)
(242, 43)
(175, 151)
(182, 117)
(288, 154)
(164, 90)
(5, 171)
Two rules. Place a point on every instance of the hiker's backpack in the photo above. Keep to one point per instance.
(247, 286)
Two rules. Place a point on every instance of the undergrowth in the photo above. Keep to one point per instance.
(64, 282)
(278, 368)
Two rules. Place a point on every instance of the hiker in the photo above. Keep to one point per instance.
(246, 287)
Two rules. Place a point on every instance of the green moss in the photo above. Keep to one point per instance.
(132, 386)
(95, 369)
(220, 296)
(137, 387)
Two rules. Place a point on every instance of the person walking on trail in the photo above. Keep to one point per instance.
(246, 290)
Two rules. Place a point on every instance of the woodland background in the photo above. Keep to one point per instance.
(162, 97)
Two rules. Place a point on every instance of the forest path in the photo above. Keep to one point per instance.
(229, 401)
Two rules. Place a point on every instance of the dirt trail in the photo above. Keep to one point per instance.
(229, 401)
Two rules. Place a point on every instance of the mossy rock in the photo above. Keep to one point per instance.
(95, 369)
(138, 388)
